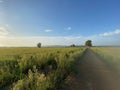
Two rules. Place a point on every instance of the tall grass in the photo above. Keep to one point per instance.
(111, 56)
(36, 68)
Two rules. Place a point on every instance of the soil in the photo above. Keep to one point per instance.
(93, 74)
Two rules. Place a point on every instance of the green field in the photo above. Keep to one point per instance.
(47, 68)
(110, 55)
(37, 68)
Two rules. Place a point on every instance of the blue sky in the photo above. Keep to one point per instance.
(59, 22)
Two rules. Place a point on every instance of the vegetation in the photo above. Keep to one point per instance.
(39, 45)
(88, 43)
(110, 56)
(73, 45)
(37, 69)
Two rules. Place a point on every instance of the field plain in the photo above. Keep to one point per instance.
(36, 68)
(50, 68)
(110, 55)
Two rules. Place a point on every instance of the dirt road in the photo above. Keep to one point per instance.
(93, 74)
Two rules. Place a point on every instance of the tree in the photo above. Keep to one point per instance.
(88, 43)
(39, 45)
(73, 45)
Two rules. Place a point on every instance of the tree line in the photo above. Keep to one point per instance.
(88, 43)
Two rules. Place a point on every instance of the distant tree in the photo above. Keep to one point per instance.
(73, 45)
(88, 43)
(39, 45)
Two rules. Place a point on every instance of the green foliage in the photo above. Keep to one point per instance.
(88, 43)
(110, 56)
(37, 69)
(34, 81)
(39, 45)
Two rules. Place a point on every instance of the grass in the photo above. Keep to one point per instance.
(110, 55)
(37, 68)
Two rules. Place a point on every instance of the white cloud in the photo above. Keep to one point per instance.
(6, 25)
(32, 41)
(116, 32)
(59, 40)
(3, 30)
(48, 30)
(69, 28)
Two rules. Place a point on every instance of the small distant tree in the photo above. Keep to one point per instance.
(39, 45)
(73, 45)
(88, 43)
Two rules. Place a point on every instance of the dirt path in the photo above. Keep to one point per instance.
(94, 75)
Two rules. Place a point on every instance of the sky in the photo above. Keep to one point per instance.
(59, 22)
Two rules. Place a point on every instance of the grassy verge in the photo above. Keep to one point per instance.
(108, 56)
